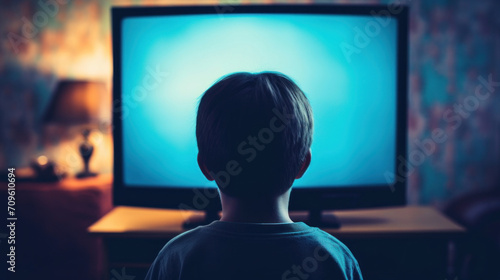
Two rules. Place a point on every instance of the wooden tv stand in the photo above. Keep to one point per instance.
(389, 243)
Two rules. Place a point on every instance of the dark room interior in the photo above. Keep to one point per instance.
(100, 167)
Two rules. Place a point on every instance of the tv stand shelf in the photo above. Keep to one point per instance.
(389, 243)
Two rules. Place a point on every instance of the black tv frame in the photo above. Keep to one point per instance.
(313, 199)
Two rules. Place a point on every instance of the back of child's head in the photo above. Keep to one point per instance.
(253, 133)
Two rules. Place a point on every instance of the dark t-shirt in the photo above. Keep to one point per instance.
(226, 250)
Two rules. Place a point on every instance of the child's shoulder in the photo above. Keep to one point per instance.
(336, 249)
(179, 243)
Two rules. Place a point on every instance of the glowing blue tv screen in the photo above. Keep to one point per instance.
(346, 67)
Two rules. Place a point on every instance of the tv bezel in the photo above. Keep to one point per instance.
(323, 198)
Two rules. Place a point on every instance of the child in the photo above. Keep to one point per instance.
(254, 133)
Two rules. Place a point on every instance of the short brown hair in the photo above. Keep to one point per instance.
(253, 133)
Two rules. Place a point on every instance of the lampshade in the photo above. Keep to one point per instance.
(75, 103)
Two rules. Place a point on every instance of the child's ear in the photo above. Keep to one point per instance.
(204, 169)
(305, 165)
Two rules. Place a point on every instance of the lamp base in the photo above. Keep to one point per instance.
(82, 175)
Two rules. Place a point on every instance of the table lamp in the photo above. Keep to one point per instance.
(77, 103)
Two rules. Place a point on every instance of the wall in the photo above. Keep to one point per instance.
(452, 44)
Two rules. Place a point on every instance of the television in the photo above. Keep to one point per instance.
(350, 60)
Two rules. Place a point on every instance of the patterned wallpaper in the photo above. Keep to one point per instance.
(454, 106)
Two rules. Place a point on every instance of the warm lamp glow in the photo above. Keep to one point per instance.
(42, 160)
(75, 103)
(78, 103)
